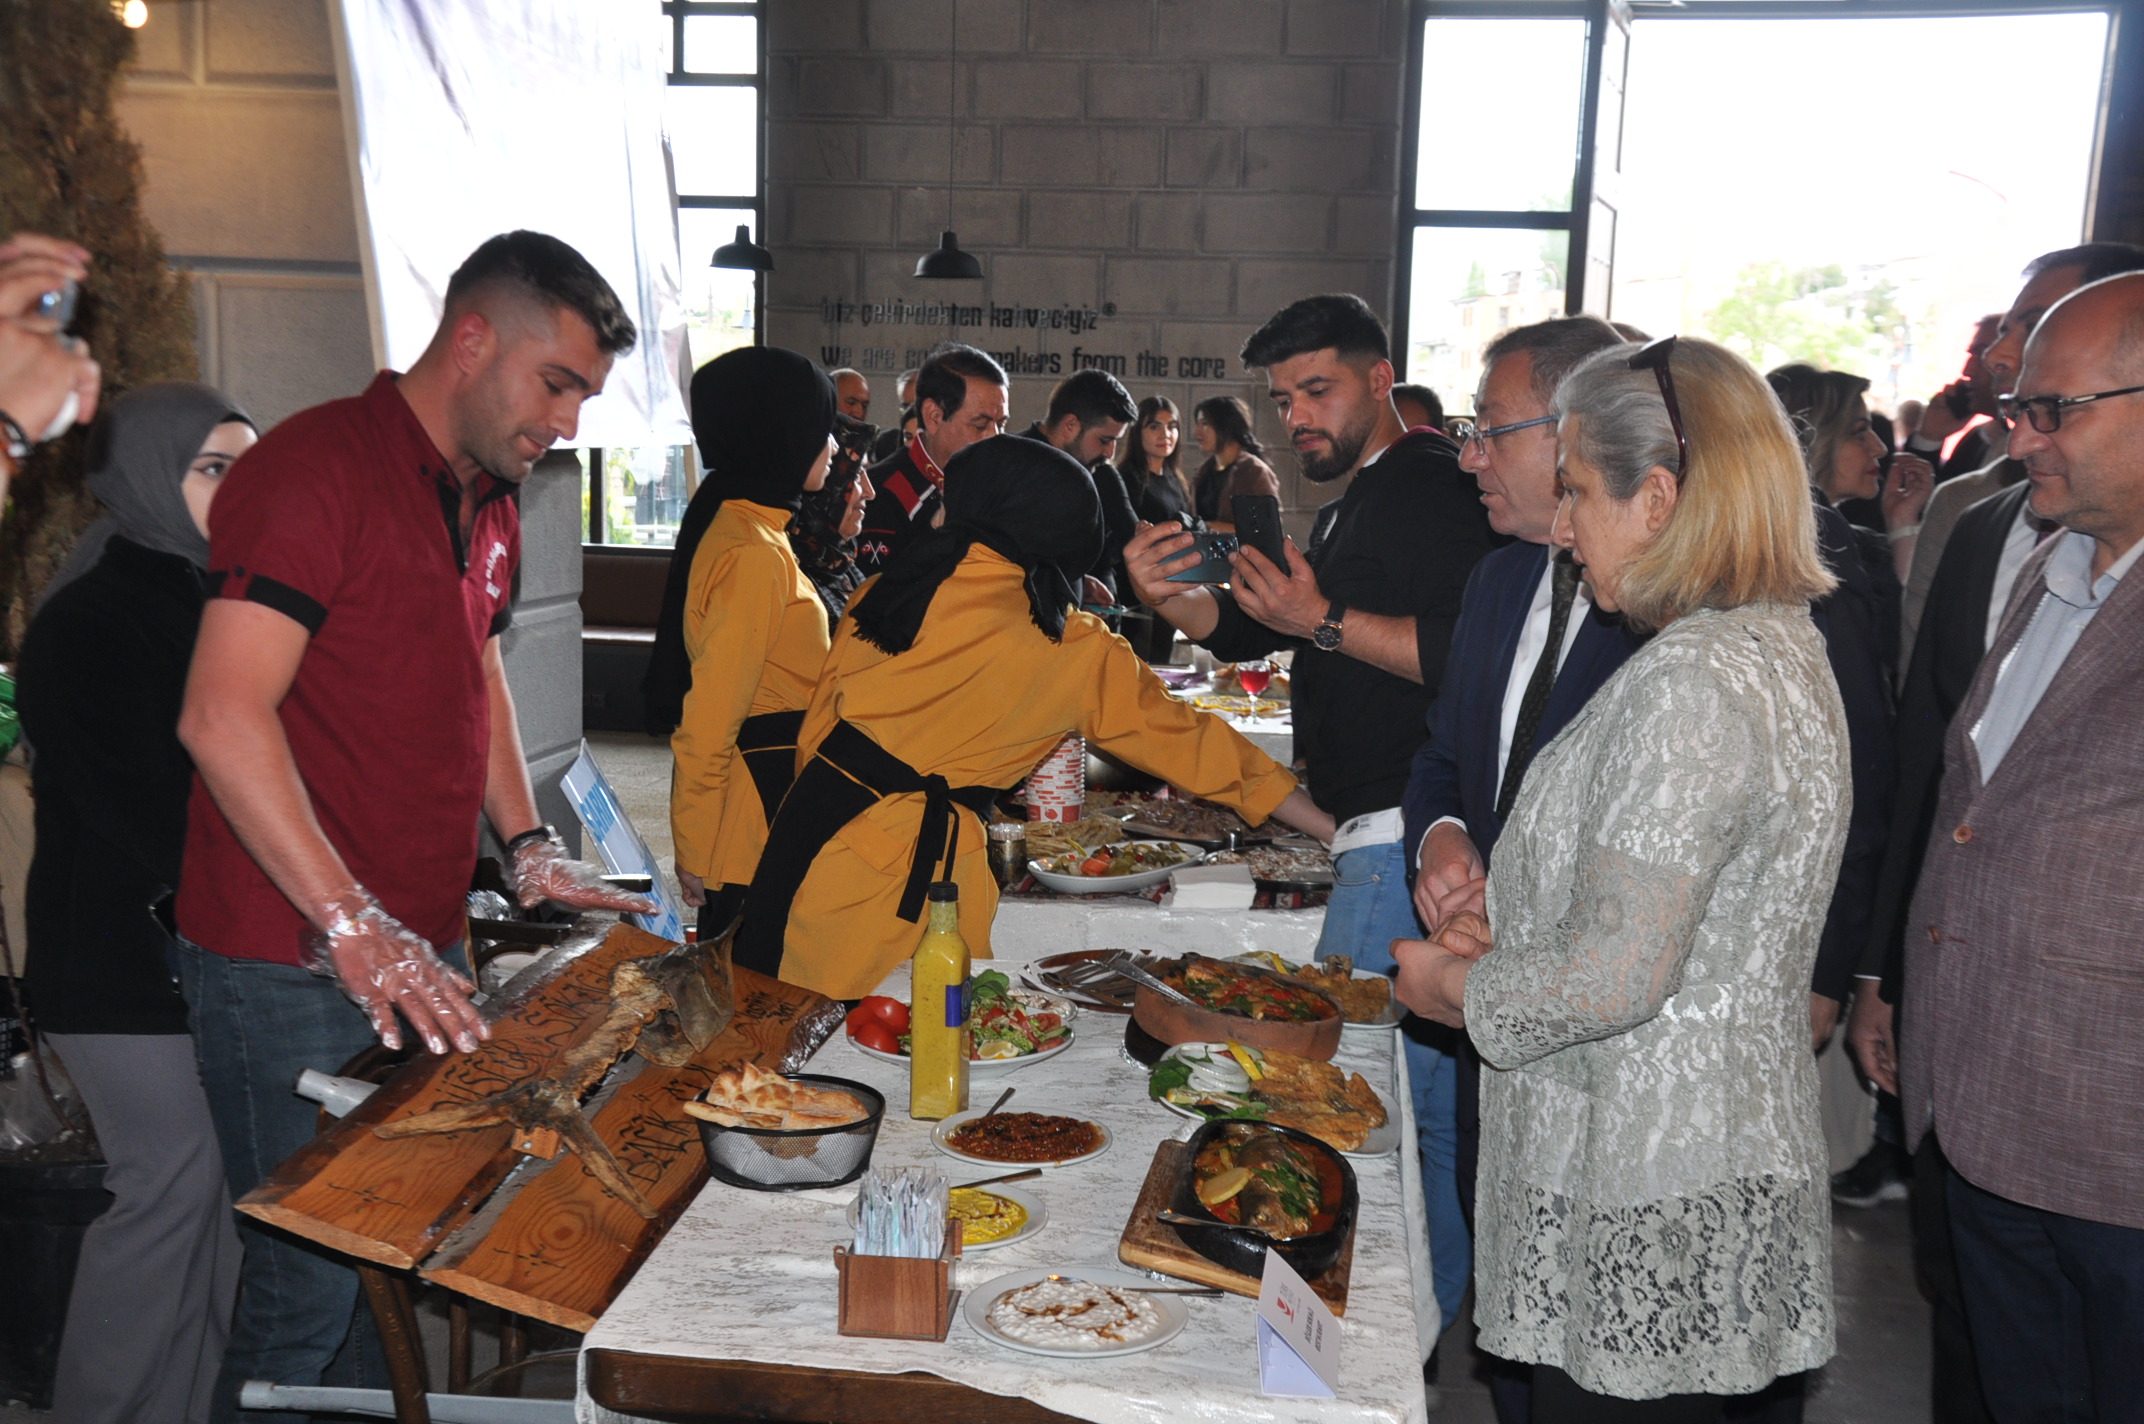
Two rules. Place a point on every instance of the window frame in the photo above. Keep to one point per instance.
(676, 12)
(1585, 181)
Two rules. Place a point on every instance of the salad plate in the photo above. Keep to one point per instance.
(1011, 1027)
(1066, 879)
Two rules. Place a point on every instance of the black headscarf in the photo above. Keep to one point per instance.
(761, 416)
(139, 452)
(1030, 502)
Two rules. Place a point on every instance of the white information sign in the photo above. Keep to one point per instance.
(1298, 1336)
(618, 843)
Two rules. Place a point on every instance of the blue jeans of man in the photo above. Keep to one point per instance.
(1370, 907)
(2056, 1306)
(255, 1025)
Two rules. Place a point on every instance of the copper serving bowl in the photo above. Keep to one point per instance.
(1172, 1022)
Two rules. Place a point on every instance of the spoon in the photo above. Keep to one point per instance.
(1006, 1177)
(1000, 1102)
(1123, 965)
(1211, 1292)
(1177, 1218)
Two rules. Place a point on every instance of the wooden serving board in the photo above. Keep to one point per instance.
(1154, 1245)
(553, 1244)
(563, 1247)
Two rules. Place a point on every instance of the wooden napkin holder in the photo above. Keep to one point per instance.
(899, 1297)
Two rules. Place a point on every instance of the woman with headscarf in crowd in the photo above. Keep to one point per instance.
(100, 683)
(953, 676)
(1153, 473)
(1222, 427)
(741, 628)
(1654, 1221)
(823, 534)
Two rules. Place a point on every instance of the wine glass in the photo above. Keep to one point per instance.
(1256, 677)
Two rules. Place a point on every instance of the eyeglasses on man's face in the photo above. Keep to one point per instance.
(1468, 432)
(2045, 412)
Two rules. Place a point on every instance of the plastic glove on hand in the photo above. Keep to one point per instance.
(543, 871)
(384, 965)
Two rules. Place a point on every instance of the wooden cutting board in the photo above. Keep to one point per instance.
(1155, 1245)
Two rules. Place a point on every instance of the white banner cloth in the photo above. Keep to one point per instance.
(469, 118)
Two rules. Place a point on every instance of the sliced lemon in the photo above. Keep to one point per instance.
(997, 1049)
(1248, 1058)
(1221, 1186)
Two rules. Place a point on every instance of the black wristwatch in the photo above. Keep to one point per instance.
(1326, 636)
(531, 836)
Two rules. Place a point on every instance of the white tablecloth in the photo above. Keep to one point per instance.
(750, 1275)
(1030, 928)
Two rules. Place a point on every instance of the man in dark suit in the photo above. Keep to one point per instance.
(1088, 414)
(1974, 577)
(1519, 625)
(2022, 1006)
(961, 395)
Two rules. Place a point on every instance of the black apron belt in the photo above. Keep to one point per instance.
(846, 776)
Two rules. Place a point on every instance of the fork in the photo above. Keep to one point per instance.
(1207, 1292)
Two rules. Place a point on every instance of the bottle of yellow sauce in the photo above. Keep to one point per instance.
(937, 1017)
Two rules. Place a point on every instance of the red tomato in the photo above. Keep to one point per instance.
(875, 1035)
(1097, 865)
(890, 1012)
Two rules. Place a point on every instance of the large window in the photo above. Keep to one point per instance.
(714, 112)
(1751, 180)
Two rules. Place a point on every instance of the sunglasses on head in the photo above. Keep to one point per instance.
(1653, 356)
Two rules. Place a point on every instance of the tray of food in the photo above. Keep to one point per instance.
(1182, 818)
(1046, 840)
(1148, 1243)
(1247, 1003)
(1024, 1138)
(1216, 1081)
(990, 1217)
(1114, 870)
(1084, 976)
(1275, 867)
(1008, 1028)
(1074, 1312)
(1364, 995)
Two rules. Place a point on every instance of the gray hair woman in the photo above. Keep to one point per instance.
(1654, 1223)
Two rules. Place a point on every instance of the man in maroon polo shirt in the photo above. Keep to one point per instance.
(349, 715)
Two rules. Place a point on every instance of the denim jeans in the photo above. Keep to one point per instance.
(1370, 907)
(255, 1025)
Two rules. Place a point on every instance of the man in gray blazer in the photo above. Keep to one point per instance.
(2025, 978)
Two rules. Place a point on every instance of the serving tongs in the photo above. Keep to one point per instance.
(1125, 966)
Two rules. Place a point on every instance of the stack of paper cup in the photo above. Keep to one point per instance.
(1057, 789)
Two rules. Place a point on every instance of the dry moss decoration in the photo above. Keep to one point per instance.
(69, 169)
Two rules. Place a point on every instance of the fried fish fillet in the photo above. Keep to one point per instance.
(1313, 1097)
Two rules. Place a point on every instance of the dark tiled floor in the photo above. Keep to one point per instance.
(1880, 1374)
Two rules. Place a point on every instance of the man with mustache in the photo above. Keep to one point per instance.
(1369, 612)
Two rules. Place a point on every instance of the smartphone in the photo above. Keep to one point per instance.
(1213, 565)
(1258, 526)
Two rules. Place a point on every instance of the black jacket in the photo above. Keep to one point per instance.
(100, 684)
(903, 502)
(1400, 542)
(1952, 639)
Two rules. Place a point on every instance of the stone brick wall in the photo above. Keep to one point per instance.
(1170, 171)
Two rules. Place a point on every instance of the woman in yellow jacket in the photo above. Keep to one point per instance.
(750, 628)
(953, 675)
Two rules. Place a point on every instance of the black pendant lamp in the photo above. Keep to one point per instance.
(949, 262)
(743, 253)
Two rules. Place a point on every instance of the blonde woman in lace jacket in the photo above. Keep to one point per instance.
(1654, 1223)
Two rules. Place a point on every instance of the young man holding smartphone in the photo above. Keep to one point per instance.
(1369, 611)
